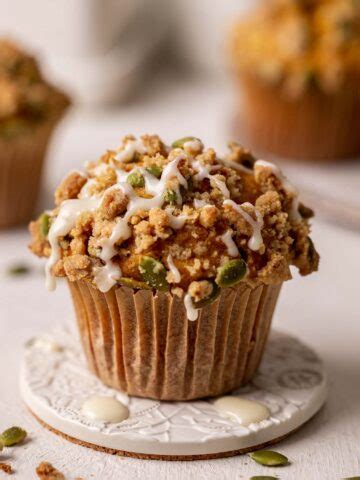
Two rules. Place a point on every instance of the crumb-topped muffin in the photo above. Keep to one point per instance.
(29, 109)
(151, 237)
(299, 63)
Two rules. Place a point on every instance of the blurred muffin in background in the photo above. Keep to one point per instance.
(298, 64)
(30, 108)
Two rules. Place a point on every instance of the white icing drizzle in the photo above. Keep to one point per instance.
(175, 272)
(228, 241)
(200, 203)
(176, 222)
(131, 147)
(242, 410)
(256, 240)
(191, 312)
(294, 214)
(62, 225)
(84, 192)
(236, 166)
(107, 276)
(105, 409)
(204, 172)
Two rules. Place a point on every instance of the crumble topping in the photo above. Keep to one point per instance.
(26, 99)
(300, 44)
(187, 226)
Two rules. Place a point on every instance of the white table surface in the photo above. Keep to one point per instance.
(322, 309)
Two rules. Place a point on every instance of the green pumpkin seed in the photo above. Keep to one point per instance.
(154, 273)
(263, 477)
(231, 273)
(44, 221)
(170, 196)
(211, 298)
(12, 436)
(154, 170)
(131, 283)
(181, 141)
(18, 269)
(135, 179)
(1, 444)
(269, 458)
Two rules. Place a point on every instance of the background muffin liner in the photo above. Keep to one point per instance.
(21, 162)
(143, 344)
(314, 126)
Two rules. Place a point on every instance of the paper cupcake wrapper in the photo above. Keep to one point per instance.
(314, 126)
(21, 164)
(143, 344)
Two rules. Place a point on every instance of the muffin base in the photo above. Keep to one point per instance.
(144, 345)
(21, 165)
(316, 126)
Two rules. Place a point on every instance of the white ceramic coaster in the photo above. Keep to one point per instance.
(55, 384)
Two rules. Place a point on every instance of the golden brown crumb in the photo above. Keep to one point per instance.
(70, 187)
(207, 212)
(45, 471)
(6, 468)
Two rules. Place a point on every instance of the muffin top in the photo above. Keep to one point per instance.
(26, 99)
(178, 219)
(300, 44)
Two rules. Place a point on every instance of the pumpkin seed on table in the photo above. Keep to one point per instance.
(263, 477)
(269, 458)
(18, 269)
(231, 273)
(13, 436)
(154, 170)
(131, 283)
(135, 179)
(181, 141)
(211, 298)
(170, 196)
(154, 273)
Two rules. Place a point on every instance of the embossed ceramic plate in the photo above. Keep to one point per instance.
(55, 382)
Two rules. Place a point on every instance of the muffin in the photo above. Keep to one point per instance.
(298, 68)
(174, 258)
(29, 110)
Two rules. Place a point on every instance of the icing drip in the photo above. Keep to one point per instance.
(105, 409)
(176, 222)
(199, 203)
(69, 212)
(193, 146)
(256, 240)
(228, 241)
(131, 147)
(175, 272)
(242, 410)
(191, 312)
(204, 172)
(236, 166)
(294, 214)
(107, 276)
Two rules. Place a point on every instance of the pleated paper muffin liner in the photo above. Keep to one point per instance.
(143, 344)
(21, 165)
(314, 126)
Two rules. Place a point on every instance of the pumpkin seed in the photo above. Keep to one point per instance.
(263, 477)
(211, 298)
(131, 283)
(135, 179)
(12, 436)
(231, 273)
(44, 221)
(181, 141)
(154, 273)
(18, 269)
(1, 444)
(170, 196)
(154, 170)
(269, 458)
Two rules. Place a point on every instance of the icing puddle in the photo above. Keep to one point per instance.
(242, 410)
(105, 409)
